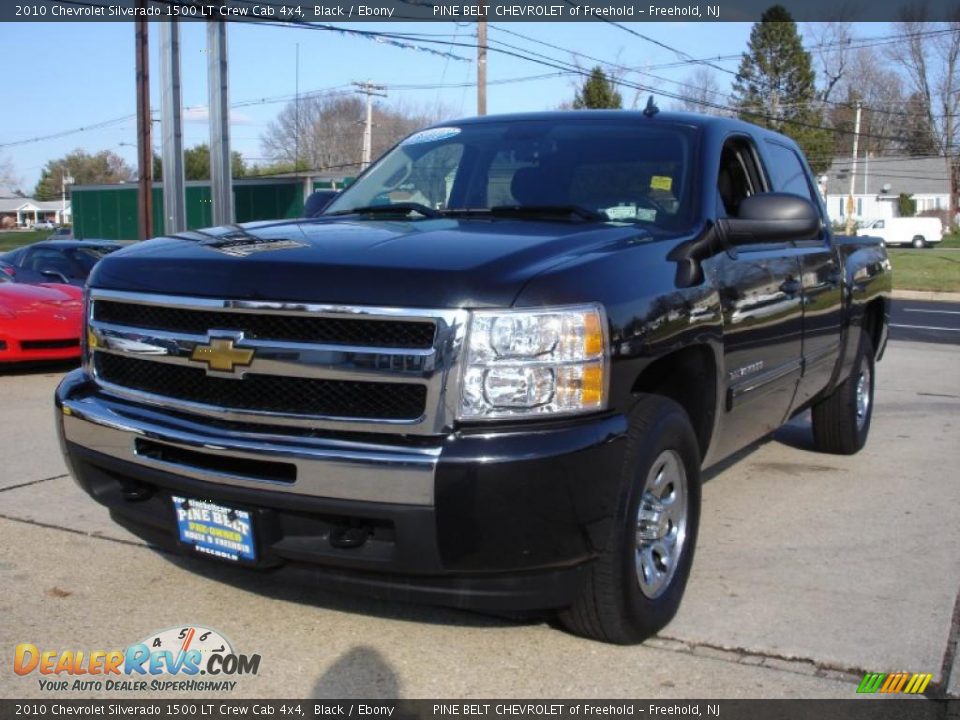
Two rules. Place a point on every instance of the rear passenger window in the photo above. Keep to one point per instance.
(788, 174)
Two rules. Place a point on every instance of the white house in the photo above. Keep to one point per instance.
(21, 212)
(879, 182)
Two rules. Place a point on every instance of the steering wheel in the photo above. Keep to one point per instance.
(651, 204)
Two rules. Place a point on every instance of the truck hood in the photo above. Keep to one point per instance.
(420, 263)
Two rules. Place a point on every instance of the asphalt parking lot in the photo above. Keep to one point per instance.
(937, 322)
(810, 571)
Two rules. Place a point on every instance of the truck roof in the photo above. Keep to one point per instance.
(662, 117)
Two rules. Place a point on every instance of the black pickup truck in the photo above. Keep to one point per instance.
(487, 374)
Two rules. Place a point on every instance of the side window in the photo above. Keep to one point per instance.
(880, 225)
(739, 176)
(26, 259)
(45, 259)
(788, 173)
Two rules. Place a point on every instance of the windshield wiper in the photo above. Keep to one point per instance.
(548, 211)
(404, 208)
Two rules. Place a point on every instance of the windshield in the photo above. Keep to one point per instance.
(625, 170)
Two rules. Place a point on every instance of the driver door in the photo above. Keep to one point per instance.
(760, 295)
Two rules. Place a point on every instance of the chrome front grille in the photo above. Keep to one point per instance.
(289, 328)
(316, 366)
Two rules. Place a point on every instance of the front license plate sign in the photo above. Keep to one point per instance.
(214, 529)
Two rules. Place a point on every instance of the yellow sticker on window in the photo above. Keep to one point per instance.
(661, 182)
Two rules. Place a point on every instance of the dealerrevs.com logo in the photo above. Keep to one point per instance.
(189, 658)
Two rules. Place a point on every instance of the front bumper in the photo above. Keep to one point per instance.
(486, 519)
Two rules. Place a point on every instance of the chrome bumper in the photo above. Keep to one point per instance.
(325, 467)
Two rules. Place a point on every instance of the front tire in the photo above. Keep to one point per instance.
(841, 421)
(634, 588)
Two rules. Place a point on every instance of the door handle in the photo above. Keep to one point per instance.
(790, 286)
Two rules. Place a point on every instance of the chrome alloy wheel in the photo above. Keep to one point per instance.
(661, 524)
(863, 396)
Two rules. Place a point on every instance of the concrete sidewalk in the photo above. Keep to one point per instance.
(926, 295)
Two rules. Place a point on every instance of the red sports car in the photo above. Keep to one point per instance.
(39, 322)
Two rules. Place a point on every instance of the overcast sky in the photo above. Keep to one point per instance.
(60, 76)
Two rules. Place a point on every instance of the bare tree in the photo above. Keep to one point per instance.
(701, 93)
(931, 63)
(326, 131)
(9, 182)
(868, 80)
(831, 51)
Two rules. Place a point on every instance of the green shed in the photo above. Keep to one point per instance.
(110, 211)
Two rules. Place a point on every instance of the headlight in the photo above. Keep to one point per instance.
(521, 363)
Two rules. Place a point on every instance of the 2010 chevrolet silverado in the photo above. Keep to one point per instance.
(487, 374)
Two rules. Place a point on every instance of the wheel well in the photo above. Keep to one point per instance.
(872, 323)
(688, 377)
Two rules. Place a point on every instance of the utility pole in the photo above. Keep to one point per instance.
(218, 100)
(64, 181)
(481, 67)
(144, 131)
(296, 83)
(171, 125)
(851, 224)
(371, 91)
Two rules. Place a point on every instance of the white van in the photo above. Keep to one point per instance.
(916, 231)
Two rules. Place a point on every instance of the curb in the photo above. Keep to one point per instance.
(948, 297)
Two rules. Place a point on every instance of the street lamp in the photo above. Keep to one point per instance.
(64, 181)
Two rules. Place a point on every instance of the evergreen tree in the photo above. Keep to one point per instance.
(776, 88)
(597, 93)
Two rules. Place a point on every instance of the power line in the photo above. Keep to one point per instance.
(853, 44)
(556, 65)
(73, 131)
(625, 69)
(680, 53)
(618, 67)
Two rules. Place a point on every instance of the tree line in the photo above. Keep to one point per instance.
(909, 89)
(108, 168)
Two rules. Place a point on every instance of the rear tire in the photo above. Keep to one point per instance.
(634, 588)
(841, 421)
(919, 242)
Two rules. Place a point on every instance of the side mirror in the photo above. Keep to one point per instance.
(57, 276)
(317, 201)
(772, 217)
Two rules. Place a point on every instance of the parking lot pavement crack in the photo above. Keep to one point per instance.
(33, 482)
(774, 661)
(95, 536)
(809, 666)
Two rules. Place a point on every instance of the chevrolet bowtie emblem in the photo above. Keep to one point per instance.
(221, 355)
